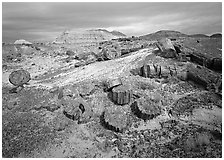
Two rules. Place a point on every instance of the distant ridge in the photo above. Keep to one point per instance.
(198, 36)
(163, 33)
(117, 33)
(176, 34)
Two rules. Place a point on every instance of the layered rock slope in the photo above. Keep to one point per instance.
(87, 36)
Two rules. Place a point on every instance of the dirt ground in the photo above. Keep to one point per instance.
(34, 123)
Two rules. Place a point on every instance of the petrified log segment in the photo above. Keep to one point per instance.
(154, 71)
(217, 64)
(114, 118)
(146, 108)
(19, 77)
(69, 90)
(120, 95)
(76, 109)
(166, 47)
(204, 77)
(113, 83)
(110, 52)
(203, 59)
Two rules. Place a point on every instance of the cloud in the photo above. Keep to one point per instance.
(44, 20)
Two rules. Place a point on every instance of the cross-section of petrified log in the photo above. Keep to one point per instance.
(146, 108)
(113, 83)
(19, 77)
(120, 95)
(115, 118)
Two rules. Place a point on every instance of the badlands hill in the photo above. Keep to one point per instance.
(176, 35)
(87, 36)
(163, 33)
(217, 35)
(199, 36)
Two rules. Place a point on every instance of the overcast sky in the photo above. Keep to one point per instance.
(45, 21)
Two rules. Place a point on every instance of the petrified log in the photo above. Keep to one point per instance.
(113, 83)
(19, 77)
(217, 64)
(76, 109)
(203, 76)
(111, 52)
(153, 71)
(114, 118)
(70, 53)
(206, 60)
(166, 47)
(120, 95)
(69, 91)
(146, 108)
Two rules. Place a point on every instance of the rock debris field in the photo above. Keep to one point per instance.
(100, 94)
